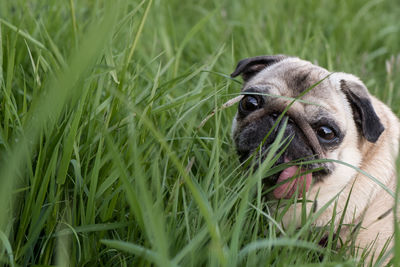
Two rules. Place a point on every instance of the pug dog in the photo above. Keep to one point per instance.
(334, 118)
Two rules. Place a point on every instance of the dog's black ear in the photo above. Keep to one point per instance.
(250, 66)
(364, 113)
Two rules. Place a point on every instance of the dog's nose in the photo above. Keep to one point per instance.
(275, 116)
(290, 124)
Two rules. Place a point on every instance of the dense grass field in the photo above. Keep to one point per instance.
(103, 162)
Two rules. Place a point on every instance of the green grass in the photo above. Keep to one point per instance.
(102, 160)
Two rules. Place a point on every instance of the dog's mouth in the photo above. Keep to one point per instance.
(294, 179)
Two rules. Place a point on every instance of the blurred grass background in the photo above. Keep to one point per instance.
(102, 162)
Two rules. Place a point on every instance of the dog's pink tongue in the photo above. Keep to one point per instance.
(287, 189)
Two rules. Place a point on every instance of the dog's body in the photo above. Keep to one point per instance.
(346, 124)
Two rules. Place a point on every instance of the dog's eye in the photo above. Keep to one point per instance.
(249, 103)
(326, 133)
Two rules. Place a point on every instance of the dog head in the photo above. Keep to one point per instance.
(332, 119)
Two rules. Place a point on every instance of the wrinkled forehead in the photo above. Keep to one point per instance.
(291, 77)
